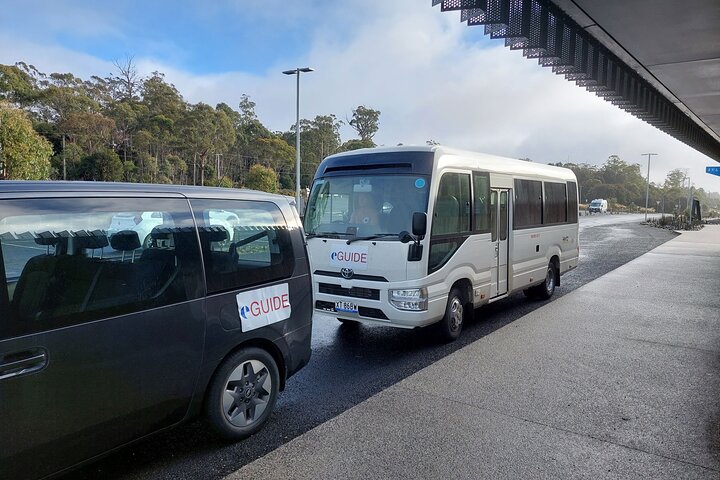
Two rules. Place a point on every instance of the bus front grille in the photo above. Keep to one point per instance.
(354, 292)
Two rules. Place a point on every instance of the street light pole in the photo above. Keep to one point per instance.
(297, 72)
(647, 187)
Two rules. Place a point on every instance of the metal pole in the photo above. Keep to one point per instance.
(296, 72)
(63, 147)
(689, 201)
(647, 187)
(297, 143)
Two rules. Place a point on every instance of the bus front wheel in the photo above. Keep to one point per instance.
(451, 324)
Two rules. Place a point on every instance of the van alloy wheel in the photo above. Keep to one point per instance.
(242, 393)
(247, 392)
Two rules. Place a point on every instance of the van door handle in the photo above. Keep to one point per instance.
(22, 363)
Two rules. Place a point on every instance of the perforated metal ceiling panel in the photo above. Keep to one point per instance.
(657, 59)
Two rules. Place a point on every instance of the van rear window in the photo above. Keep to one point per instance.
(243, 243)
(73, 260)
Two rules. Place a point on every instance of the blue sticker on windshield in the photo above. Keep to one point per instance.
(420, 183)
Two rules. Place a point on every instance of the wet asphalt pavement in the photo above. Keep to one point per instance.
(352, 363)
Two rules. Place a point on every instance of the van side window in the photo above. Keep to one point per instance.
(528, 204)
(243, 243)
(73, 260)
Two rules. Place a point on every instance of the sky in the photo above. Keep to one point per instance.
(431, 76)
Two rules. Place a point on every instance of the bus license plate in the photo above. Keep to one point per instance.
(346, 307)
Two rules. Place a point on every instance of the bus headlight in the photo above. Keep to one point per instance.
(414, 299)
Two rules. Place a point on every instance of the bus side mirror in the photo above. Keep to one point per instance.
(419, 224)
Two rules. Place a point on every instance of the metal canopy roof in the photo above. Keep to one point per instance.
(657, 59)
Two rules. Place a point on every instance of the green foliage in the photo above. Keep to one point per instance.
(103, 165)
(356, 144)
(365, 122)
(25, 154)
(261, 178)
(158, 136)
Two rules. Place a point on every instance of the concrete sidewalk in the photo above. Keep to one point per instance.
(618, 379)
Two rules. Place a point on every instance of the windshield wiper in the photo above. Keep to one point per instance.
(325, 234)
(372, 237)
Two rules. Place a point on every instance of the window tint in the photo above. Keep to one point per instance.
(555, 203)
(451, 218)
(481, 201)
(503, 225)
(528, 203)
(452, 206)
(243, 243)
(72, 260)
(572, 202)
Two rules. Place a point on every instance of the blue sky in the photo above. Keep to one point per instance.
(429, 75)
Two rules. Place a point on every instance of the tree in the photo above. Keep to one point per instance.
(103, 165)
(25, 155)
(356, 144)
(126, 85)
(261, 178)
(365, 122)
(206, 131)
(92, 131)
(319, 138)
(16, 84)
(275, 153)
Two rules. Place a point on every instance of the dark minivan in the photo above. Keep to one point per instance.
(128, 308)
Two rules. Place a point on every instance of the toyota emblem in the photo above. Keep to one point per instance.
(347, 273)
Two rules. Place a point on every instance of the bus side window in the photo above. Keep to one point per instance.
(452, 214)
(481, 201)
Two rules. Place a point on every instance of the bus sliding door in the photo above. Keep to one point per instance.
(499, 236)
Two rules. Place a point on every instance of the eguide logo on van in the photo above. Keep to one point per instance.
(264, 306)
(347, 256)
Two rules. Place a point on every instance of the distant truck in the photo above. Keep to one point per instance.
(598, 206)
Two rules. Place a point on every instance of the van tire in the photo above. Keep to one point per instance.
(546, 289)
(451, 324)
(242, 393)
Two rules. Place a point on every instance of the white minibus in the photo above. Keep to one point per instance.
(412, 236)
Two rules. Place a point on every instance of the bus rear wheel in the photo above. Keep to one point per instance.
(452, 322)
(546, 289)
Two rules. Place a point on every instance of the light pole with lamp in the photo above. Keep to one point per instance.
(647, 187)
(297, 71)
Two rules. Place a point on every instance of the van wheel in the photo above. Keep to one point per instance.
(242, 394)
(451, 324)
(546, 289)
(147, 242)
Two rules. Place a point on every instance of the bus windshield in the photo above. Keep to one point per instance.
(355, 205)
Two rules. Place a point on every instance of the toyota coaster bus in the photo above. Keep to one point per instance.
(412, 236)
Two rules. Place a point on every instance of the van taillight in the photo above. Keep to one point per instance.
(137, 219)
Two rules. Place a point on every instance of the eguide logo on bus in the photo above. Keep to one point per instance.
(354, 257)
(264, 306)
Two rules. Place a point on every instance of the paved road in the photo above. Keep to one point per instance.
(351, 364)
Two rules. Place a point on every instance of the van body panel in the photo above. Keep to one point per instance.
(82, 371)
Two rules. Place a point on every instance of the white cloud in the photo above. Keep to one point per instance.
(419, 68)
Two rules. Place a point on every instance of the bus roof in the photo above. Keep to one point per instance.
(447, 157)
